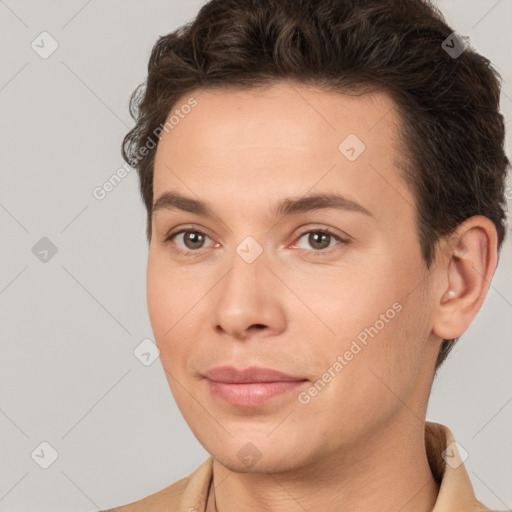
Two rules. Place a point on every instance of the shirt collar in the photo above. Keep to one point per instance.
(455, 490)
(446, 463)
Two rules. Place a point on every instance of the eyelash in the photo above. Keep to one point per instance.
(197, 252)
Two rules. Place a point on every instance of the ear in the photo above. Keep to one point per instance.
(466, 270)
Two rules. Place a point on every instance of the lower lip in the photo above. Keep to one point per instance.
(253, 393)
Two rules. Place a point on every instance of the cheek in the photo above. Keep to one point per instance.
(159, 299)
(165, 308)
(170, 295)
(375, 372)
(168, 301)
(379, 329)
(392, 353)
(350, 301)
(178, 307)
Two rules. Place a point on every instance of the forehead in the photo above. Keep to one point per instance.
(302, 117)
(287, 135)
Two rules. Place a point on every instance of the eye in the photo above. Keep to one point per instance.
(320, 239)
(188, 240)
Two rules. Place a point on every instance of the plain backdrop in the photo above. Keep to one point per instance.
(72, 277)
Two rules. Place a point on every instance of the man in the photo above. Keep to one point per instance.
(325, 208)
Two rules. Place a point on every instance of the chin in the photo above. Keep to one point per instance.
(273, 464)
(257, 453)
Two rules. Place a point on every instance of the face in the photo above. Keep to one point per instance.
(286, 288)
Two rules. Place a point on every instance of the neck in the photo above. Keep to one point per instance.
(385, 472)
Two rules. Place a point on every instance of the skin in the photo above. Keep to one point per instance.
(359, 443)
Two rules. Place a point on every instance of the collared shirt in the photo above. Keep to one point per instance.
(195, 493)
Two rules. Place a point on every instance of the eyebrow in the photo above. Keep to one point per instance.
(288, 206)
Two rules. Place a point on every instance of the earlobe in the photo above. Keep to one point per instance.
(466, 274)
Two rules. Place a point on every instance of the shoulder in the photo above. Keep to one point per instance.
(165, 500)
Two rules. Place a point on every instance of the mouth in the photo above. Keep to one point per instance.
(250, 386)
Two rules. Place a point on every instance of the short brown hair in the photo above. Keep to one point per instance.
(452, 134)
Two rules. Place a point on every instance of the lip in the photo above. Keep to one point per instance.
(250, 386)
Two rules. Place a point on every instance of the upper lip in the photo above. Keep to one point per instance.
(232, 375)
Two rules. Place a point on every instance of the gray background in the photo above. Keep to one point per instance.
(69, 325)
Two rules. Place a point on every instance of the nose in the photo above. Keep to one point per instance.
(249, 301)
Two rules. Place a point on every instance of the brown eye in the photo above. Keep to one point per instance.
(193, 239)
(188, 241)
(318, 240)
